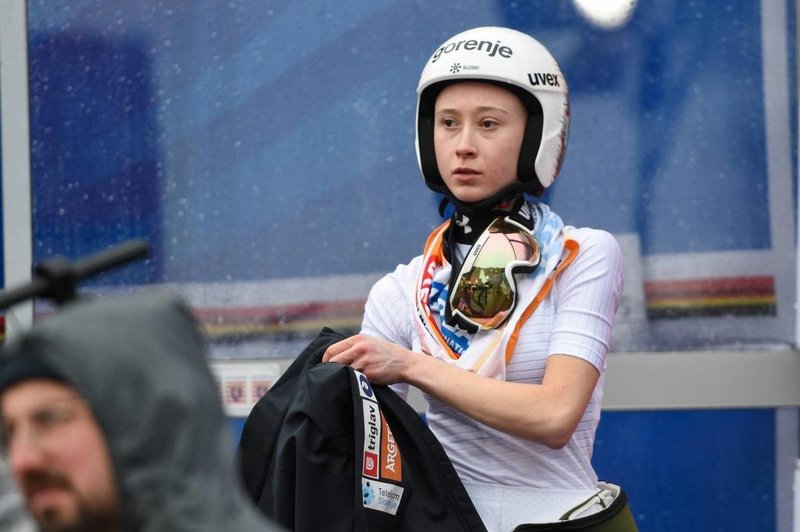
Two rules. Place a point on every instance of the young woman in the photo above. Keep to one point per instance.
(504, 321)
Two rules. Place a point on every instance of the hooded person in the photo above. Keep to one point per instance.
(112, 421)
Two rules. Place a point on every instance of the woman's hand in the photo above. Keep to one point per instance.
(382, 362)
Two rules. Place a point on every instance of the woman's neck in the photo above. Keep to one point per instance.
(468, 224)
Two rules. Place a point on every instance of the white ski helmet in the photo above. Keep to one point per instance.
(514, 61)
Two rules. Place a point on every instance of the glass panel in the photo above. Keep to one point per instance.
(267, 154)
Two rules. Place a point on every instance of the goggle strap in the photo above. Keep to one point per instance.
(527, 224)
(455, 320)
(455, 270)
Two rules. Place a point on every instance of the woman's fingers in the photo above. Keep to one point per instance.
(337, 350)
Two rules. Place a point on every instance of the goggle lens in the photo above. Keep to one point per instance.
(485, 291)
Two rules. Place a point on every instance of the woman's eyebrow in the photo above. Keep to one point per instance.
(481, 109)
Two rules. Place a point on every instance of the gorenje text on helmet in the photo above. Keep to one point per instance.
(491, 48)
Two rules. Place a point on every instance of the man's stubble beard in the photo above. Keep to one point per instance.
(89, 517)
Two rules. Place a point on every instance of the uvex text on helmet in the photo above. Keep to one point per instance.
(517, 62)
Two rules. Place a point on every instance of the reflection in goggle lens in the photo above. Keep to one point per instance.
(485, 290)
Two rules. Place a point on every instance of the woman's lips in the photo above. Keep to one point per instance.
(465, 173)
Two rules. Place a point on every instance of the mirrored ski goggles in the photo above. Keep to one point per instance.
(485, 291)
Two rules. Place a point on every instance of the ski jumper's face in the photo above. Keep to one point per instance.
(477, 133)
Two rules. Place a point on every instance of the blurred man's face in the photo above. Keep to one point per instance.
(59, 457)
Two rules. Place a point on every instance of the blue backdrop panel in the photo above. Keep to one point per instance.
(229, 133)
(692, 471)
(94, 151)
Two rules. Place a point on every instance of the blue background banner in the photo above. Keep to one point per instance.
(251, 140)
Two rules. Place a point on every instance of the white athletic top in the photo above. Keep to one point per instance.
(574, 319)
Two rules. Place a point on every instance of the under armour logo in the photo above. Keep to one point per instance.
(464, 224)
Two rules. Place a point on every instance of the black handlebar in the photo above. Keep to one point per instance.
(56, 278)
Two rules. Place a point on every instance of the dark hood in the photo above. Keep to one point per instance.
(140, 362)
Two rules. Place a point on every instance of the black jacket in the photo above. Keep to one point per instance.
(319, 452)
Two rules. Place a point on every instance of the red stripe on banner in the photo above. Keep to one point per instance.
(725, 286)
(280, 312)
(300, 318)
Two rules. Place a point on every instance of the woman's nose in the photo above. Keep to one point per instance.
(466, 143)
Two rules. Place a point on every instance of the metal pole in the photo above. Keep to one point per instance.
(15, 137)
